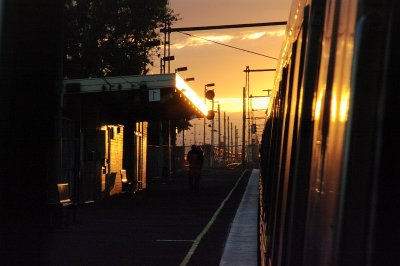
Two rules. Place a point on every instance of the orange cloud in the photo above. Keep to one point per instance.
(260, 34)
(193, 41)
(248, 35)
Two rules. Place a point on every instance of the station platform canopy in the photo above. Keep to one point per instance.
(143, 98)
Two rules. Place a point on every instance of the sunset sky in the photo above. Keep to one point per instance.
(208, 62)
(212, 63)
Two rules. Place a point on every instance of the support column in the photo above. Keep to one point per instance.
(128, 161)
(161, 150)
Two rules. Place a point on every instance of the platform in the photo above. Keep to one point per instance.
(241, 244)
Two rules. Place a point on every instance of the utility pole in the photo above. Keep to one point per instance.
(248, 103)
(244, 130)
(161, 151)
(229, 152)
(224, 138)
(183, 139)
(212, 135)
(194, 137)
(236, 143)
(245, 97)
(231, 141)
(219, 130)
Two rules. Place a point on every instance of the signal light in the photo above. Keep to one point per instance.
(210, 115)
(210, 94)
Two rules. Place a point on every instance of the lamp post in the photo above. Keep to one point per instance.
(189, 79)
(180, 69)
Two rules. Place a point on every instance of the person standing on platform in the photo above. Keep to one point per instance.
(195, 159)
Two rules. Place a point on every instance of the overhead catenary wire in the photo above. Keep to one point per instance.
(226, 45)
(167, 33)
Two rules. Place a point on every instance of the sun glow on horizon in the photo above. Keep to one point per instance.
(233, 105)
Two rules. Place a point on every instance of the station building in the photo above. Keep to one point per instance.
(117, 131)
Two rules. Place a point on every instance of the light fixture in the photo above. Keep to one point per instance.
(181, 85)
(180, 69)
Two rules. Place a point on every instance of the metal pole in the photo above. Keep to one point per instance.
(160, 130)
(161, 144)
(194, 138)
(169, 121)
(212, 135)
(170, 153)
(224, 138)
(183, 139)
(219, 128)
(248, 104)
(169, 46)
(204, 120)
(236, 143)
(229, 149)
(219, 133)
(232, 142)
(244, 129)
(165, 48)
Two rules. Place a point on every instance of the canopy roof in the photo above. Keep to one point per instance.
(142, 98)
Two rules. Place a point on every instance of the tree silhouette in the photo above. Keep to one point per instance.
(183, 124)
(112, 37)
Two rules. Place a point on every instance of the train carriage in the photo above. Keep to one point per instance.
(329, 152)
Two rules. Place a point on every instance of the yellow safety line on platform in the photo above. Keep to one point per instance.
(208, 226)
